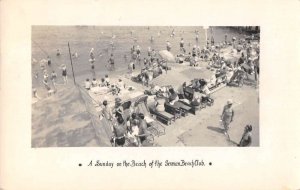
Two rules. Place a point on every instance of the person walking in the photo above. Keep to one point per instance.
(227, 116)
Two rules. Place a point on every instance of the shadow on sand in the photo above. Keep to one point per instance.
(216, 129)
(221, 131)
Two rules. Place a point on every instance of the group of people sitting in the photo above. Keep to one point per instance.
(131, 127)
(95, 85)
(150, 70)
(237, 71)
(195, 95)
(194, 56)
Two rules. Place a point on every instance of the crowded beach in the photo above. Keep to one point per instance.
(164, 94)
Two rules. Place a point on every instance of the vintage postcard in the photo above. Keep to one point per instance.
(149, 94)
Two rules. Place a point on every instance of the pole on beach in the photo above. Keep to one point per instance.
(205, 28)
(71, 64)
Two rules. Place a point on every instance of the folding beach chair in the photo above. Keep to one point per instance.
(153, 126)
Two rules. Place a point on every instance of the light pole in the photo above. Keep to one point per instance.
(205, 28)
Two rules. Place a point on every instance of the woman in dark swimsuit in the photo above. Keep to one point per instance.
(64, 74)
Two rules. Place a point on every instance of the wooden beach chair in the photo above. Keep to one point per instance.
(174, 110)
(154, 126)
(163, 116)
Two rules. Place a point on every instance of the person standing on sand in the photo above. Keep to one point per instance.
(119, 132)
(181, 46)
(58, 52)
(111, 61)
(149, 51)
(173, 33)
(92, 56)
(227, 116)
(35, 94)
(53, 78)
(64, 73)
(138, 54)
(168, 46)
(151, 39)
(49, 61)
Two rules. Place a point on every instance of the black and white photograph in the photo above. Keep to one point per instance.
(141, 86)
(193, 94)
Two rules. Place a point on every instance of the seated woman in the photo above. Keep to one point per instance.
(181, 91)
(159, 104)
(102, 83)
(153, 90)
(205, 92)
(196, 101)
(213, 81)
(173, 97)
(94, 82)
(87, 84)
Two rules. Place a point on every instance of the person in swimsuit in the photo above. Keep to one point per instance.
(227, 116)
(119, 132)
(64, 73)
(49, 61)
(53, 77)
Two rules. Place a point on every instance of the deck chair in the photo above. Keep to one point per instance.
(174, 110)
(185, 108)
(163, 116)
(189, 94)
(154, 126)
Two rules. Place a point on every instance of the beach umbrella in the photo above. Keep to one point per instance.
(168, 56)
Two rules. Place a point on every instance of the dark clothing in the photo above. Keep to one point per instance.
(119, 131)
(173, 97)
(143, 131)
(120, 141)
(181, 96)
(181, 44)
(111, 60)
(64, 72)
(196, 102)
(246, 139)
